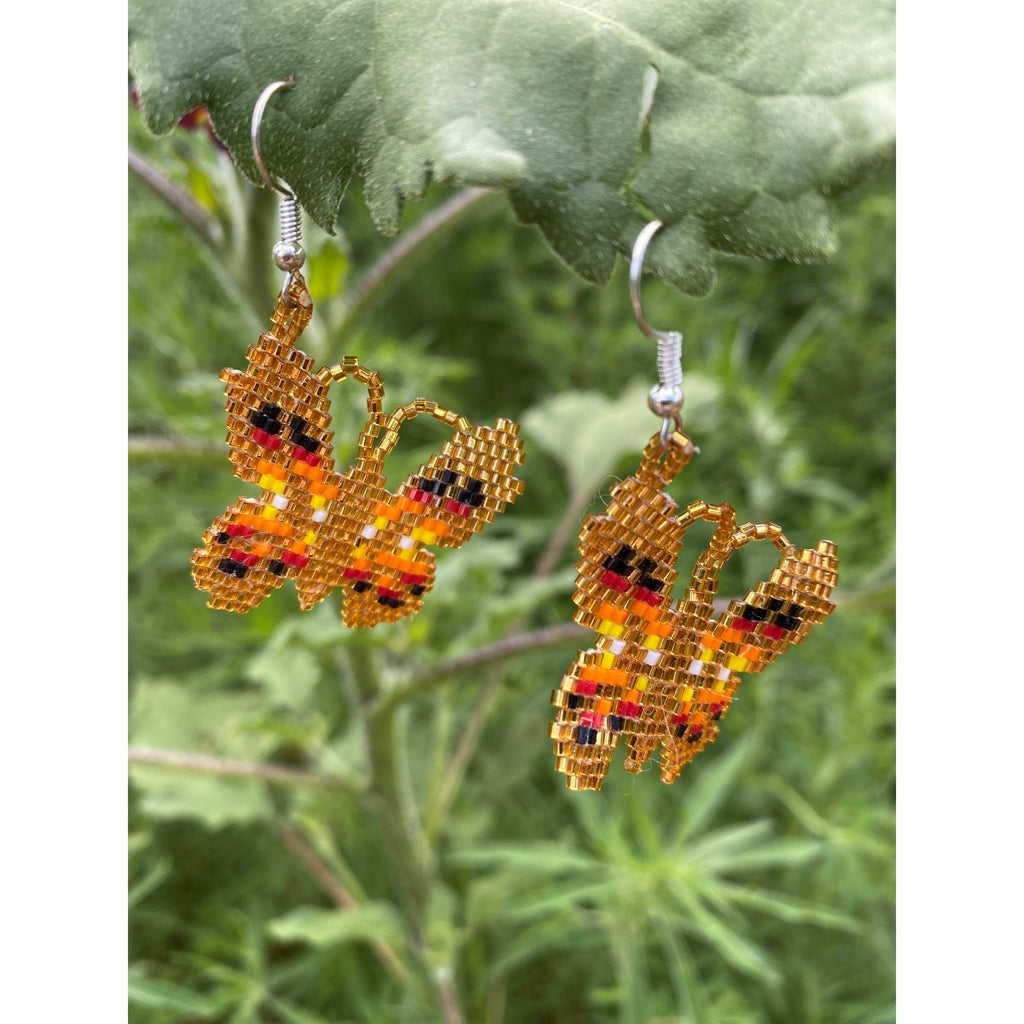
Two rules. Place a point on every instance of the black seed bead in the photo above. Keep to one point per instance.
(272, 427)
(297, 423)
(693, 737)
(223, 538)
(449, 477)
(239, 570)
(626, 552)
(646, 565)
(277, 567)
(258, 419)
(650, 583)
(304, 441)
(753, 614)
(774, 604)
(591, 735)
(271, 410)
(615, 723)
(786, 621)
(617, 565)
(361, 586)
(680, 729)
(582, 734)
(471, 498)
(575, 700)
(226, 565)
(417, 589)
(473, 485)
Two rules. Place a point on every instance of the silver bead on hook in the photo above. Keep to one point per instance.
(666, 397)
(288, 253)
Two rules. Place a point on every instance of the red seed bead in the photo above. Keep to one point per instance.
(614, 581)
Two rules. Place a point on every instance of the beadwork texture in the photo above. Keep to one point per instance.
(326, 530)
(663, 673)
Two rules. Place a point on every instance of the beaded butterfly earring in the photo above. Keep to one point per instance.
(664, 672)
(310, 523)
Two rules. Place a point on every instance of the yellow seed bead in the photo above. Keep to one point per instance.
(266, 481)
(687, 693)
(641, 683)
(429, 537)
(652, 641)
(706, 655)
(269, 512)
(607, 660)
(310, 537)
(360, 552)
(736, 663)
(381, 521)
(318, 501)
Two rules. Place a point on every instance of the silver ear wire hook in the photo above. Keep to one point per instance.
(666, 397)
(288, 253)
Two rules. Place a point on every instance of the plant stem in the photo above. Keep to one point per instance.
(508, 646)
(151, 448)
(341, 897)
(400, 256)
(185, 761)
(177, 199)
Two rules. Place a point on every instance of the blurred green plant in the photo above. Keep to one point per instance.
(330, 825)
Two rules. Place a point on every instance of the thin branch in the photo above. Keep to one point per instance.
(566, 526)
(518, 643)
(188, 761)
(338, 894)
(446, 992)
(177, 199)
(394, 261)
(151, 448)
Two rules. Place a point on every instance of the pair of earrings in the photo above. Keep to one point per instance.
(662, 673)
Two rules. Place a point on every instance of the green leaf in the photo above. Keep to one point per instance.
(790, 909)
(287, 672)
(319, 927)
(735, 122)
(733, 947)
(588, 433)
(166, 715)
(165, 995)
(714, 783)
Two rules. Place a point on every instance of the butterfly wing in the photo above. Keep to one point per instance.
(279, 438)
(389, 567)
(752, 633)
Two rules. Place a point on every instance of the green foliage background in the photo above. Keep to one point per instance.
(423, 862)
